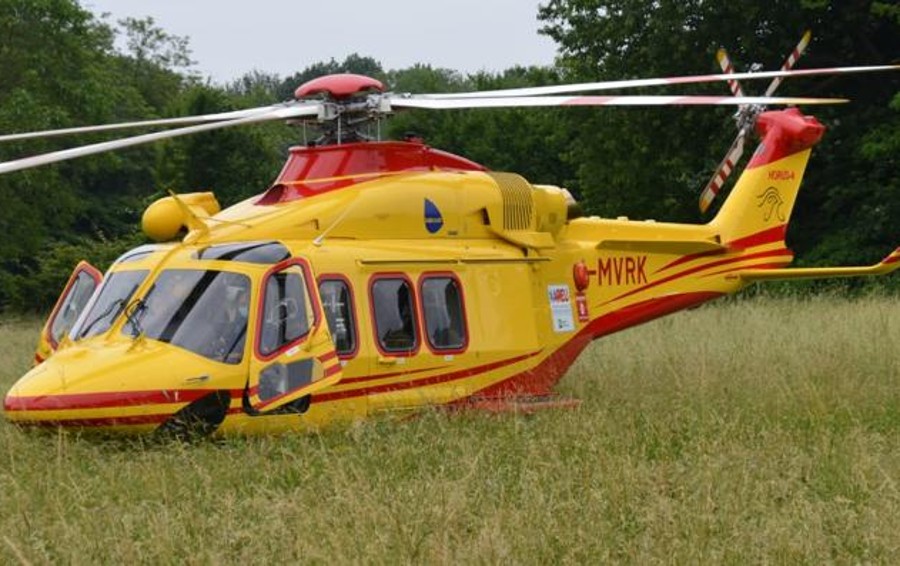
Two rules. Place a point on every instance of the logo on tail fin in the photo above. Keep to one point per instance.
(770, 202)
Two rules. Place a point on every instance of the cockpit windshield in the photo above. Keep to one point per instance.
(202, 311)
(114, 294)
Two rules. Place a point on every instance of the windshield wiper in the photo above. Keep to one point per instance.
(135, 312)
(132, 315)
(118, 303)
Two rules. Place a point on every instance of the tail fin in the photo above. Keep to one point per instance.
(758, 210)
(764, 195)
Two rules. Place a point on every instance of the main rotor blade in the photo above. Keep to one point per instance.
(72, 153)
(219, 117)
(541, 101)
(634, 83)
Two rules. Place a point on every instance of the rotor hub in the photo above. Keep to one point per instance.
(348, 106)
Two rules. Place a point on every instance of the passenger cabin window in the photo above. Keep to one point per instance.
(337, 302)
(287, 310)
(442, 308)
(392, 303)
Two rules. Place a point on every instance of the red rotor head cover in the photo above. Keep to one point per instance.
(340, 86)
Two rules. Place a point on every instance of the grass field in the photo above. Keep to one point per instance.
(755, 431)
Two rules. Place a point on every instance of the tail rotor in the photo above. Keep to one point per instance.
(745, 118)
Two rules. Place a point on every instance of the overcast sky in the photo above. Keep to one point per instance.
(229, 39)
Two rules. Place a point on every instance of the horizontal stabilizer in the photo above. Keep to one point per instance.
(679, 247)
(887, 265)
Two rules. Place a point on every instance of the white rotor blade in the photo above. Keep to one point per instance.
(790, 61)
(610, 85)
(728, 69)
(63, 155)
(540, 101)
(723, 171)
(221, 116)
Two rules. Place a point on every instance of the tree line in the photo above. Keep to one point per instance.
(61, 67)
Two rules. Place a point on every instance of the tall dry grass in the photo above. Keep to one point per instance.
(752, 431)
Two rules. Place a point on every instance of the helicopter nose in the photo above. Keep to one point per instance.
(45, 381)
(106, 392)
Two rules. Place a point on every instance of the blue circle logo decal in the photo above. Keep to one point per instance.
(433, 219)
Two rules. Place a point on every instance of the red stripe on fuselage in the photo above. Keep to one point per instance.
(327, 357)
(98, 422)
(349, 380)
(895, 257)
(688, 258)
(746, 257)
(421, 382)
(767, 236)
(103, 400)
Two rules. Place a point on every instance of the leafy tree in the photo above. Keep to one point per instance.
(148, 43)
(60, 69)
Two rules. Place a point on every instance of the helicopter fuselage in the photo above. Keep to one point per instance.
(383, 278)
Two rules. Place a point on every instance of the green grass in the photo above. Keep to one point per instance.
(760, 431)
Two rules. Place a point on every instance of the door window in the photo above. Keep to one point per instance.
(287, 311)
(73, 300)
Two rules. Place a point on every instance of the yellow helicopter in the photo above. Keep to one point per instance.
(382, 276)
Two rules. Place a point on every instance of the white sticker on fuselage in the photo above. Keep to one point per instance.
(561, 308)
